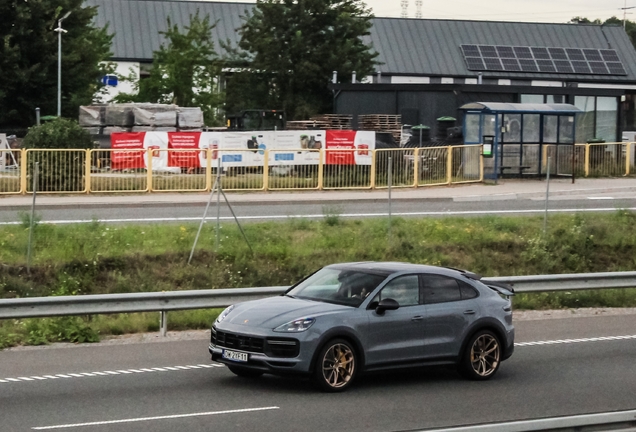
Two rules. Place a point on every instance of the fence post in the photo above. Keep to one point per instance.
(587, 160)
(321, 168)
(373, 162)
(23, 171)
(149, 169)
(481, 164)
(87, 176)
(208, 169)
(266, 170)
(449, 165)
(628, 156)
(416, 165)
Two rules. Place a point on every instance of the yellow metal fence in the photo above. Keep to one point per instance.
(185, 170)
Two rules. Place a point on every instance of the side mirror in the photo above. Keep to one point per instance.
(385, 305)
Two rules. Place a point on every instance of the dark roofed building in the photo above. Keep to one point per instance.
(430, 68)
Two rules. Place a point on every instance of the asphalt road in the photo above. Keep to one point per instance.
(574, 370)
(281, 211)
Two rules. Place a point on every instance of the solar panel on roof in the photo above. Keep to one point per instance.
(523, 52)
(510, 64)
(575, 53)
(540, 53)
(493, 64)
(557, 53)
(598, 67)
(616, 68)
(563, 66)
(581, 67)
(610, 55)
(528, 65)
(488, 51)
(592, 54)
(471, 51)
(475, 63)
(505, 52)
(546, 66)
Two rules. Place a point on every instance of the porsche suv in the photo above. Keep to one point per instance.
(351, 318)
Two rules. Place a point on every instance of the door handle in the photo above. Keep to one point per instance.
(417, 318)
(469, 312)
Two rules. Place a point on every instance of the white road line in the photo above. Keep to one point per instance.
(320, 216)
(110, 373)
(600, 198)
(168, 417)
(571, 341)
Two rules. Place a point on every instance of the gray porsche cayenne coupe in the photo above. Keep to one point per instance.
(352, 318)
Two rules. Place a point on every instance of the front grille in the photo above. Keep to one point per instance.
(237, 341)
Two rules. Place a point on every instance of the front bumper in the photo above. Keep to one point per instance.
(260, 361)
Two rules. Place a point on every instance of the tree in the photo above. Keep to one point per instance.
(300, 43)
(185, 71)
(29, 58)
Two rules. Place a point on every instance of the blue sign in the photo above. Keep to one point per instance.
(261, 149)
(110, 80)
(284, 156)
(232, 158)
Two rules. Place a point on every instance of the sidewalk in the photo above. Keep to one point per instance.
(504, 190)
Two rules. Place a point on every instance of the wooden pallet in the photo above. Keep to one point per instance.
(380, 122)
(307, 124)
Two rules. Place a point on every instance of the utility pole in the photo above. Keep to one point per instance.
(59, 31)
(624, 9)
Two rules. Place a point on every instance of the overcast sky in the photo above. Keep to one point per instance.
(506, 10)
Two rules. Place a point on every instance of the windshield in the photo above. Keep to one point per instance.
(339, 286)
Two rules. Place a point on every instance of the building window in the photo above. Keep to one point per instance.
(599, 119)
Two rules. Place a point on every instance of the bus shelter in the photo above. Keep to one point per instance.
(523, 137)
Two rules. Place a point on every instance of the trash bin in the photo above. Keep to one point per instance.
(420, 134)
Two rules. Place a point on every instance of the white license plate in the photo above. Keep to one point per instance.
(235, 356)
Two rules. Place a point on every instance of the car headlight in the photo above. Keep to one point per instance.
(223, 314)
(296, 326)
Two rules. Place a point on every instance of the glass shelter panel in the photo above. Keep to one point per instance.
(512, 128)
(531, 128)
(566, 129)
(585, 120)
(472, 129)
(489, 125)
(550, 127)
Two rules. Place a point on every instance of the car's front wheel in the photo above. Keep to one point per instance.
(245, 373)
(336, 366)
(482, 356)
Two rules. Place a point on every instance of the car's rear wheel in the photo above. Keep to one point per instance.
(244, 372)
(336, 366)
(482, 356)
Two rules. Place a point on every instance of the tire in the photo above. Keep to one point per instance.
(244, 372)
(336, 366)
(482, 356)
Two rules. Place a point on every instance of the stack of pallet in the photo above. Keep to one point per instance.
(382, 123)
(307, 125)
(334, 121)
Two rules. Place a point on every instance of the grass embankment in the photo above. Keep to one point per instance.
(96, 258)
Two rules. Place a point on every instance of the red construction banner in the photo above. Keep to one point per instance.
(187, 141)
(340, 140)
(127, 159)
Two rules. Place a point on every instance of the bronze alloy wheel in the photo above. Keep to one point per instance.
(337, 366)
(484, 355)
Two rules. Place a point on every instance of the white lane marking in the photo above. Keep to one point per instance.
(571, 341)
(601, 198)
(110, 373)
(320, 216)
(168, 417)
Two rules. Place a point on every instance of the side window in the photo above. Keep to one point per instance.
(404, 289)
(440, 289)
(467, 291)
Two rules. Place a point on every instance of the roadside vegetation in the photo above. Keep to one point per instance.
(97, 258)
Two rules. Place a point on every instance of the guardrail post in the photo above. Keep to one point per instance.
(587, 160)
(163, 323)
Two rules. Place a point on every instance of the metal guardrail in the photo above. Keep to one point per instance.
(616, 421)
(163, 302)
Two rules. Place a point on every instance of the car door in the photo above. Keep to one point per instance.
(396, 335)
(450, 308)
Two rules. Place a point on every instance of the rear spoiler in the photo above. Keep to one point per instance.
(501, 288)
